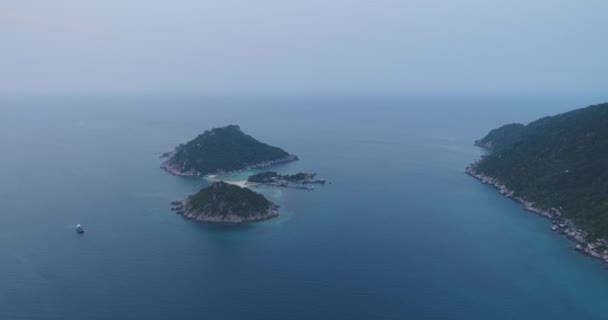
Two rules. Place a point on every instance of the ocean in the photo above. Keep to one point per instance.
(400, 233)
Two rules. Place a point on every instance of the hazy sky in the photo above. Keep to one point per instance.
(309, 46)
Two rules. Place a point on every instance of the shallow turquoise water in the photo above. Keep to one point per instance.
(400, 233)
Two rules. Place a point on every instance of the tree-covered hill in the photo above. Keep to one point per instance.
(226, 203)
(222, 150)
(556, 162)
(224, 199)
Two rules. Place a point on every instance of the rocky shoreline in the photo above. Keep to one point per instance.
(301, 180)
(176, 170)
(597, 249)
(183, 208)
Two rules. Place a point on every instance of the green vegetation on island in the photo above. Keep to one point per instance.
(558, 165)
(263, 177)
(226, 203)
(271, 176)
(286, 180)
(223, 150)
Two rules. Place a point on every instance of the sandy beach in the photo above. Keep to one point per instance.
(240, 183)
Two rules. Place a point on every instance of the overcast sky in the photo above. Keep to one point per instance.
(308, 46)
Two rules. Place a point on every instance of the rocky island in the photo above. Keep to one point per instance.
(223, 150)
(556, 167)
(225, 203)
(297, 180)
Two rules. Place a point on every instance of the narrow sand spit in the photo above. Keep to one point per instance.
(240, 183)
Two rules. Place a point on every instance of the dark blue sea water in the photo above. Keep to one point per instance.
(401, 233)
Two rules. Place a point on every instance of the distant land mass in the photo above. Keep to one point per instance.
(226, 203)
(222, 150)
(556, 166)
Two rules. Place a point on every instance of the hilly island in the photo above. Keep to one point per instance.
(558, 167)
(225, 203)
(219, 151)
(223, 150)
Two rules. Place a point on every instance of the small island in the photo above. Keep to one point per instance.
(221, 151)
(226, 204)
(286, 180)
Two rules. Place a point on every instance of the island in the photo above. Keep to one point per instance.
(297, 180)
(557, 167)
(220, 151)
(226, 204)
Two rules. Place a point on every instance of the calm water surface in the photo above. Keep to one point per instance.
(401, 233)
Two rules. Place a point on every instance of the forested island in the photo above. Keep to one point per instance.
(225, 203)
(558, 167)
(223, 150)
(286, 180)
